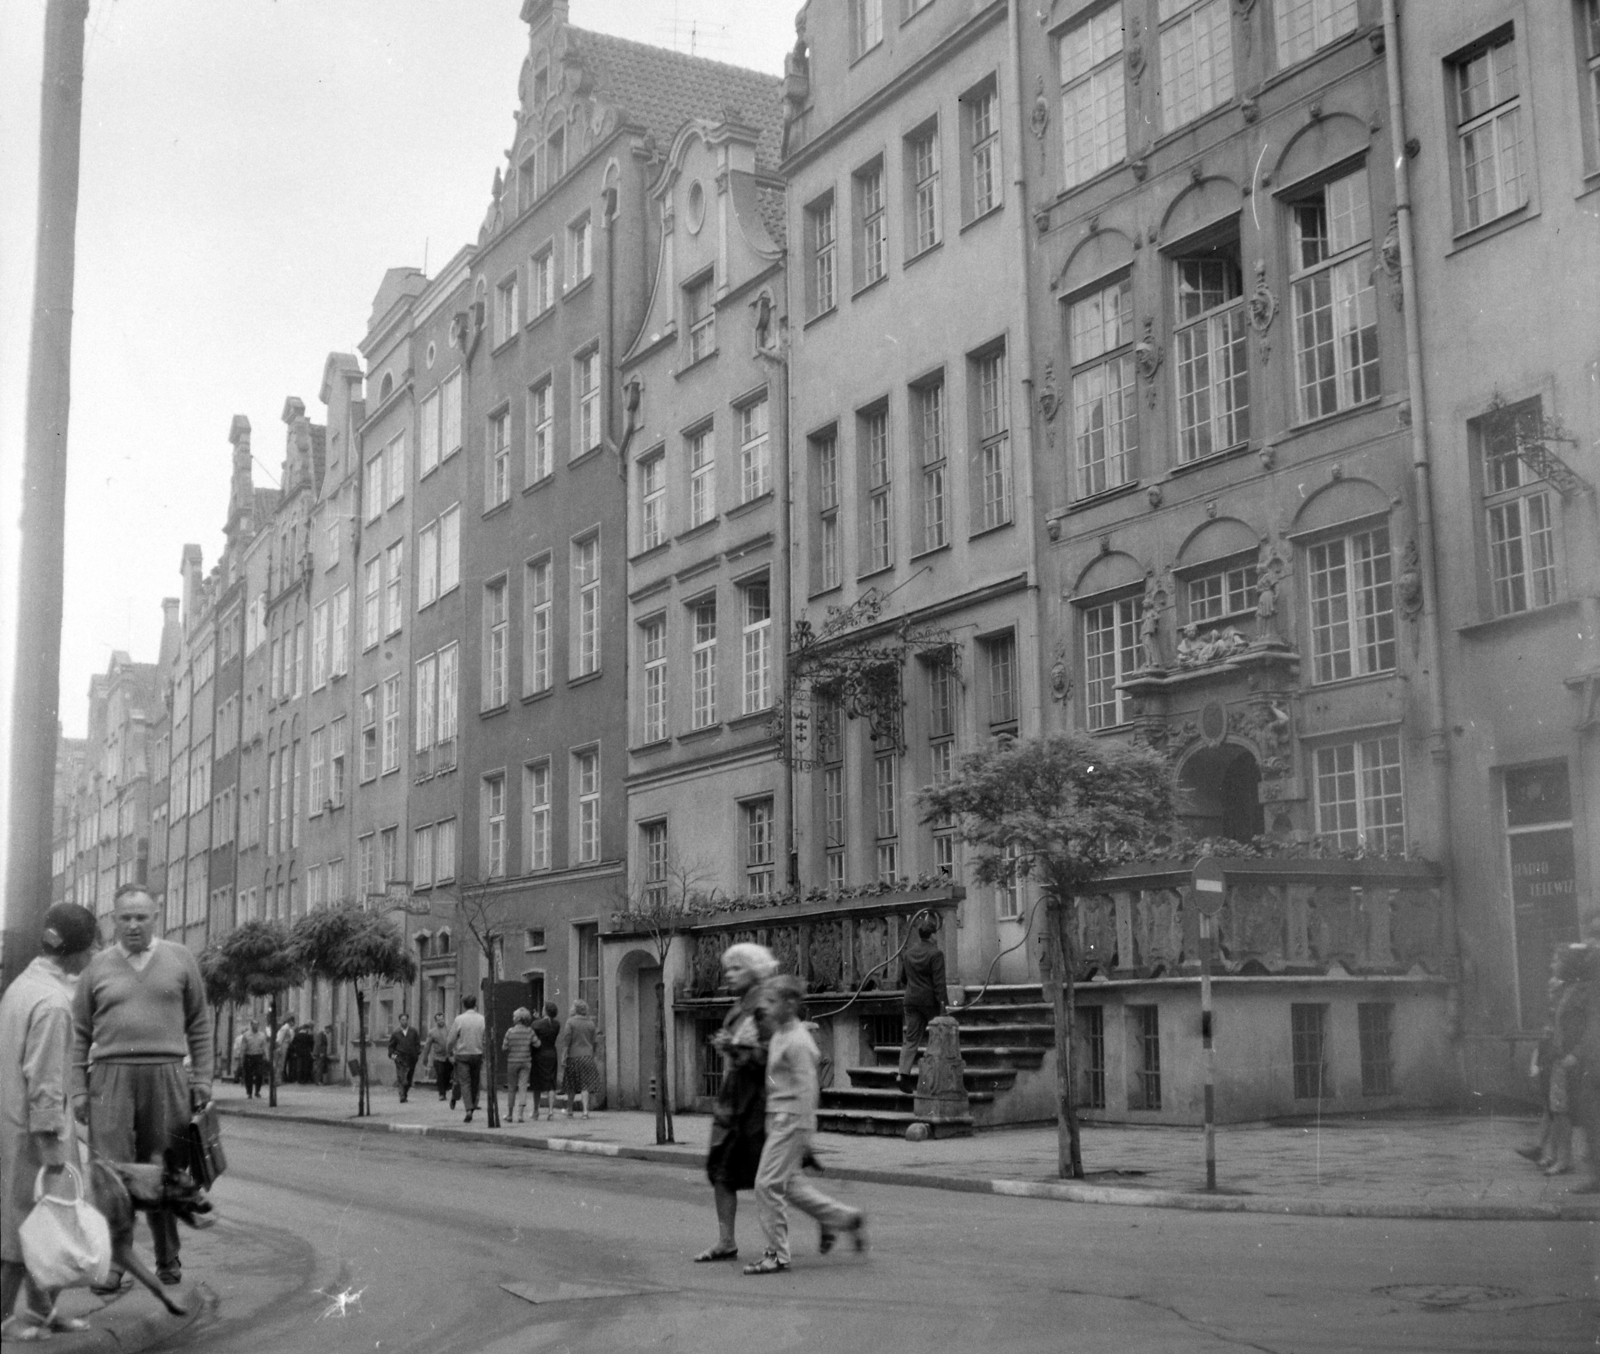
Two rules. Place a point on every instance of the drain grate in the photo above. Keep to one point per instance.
(1443, 1296)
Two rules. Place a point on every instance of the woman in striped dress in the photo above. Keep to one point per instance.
(580, 1073)
(518, 1046)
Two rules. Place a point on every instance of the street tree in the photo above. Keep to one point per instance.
(486, 916)
(351, 945)
(664, 908)
(1061, 809)
(257, 959)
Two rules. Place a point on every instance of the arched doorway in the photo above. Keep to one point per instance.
(1218, 793)
(637, 1027)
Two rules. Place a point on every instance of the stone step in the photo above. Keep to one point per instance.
(1005, 994)
(882, 1098)
(976, 1078)
(1037, 1011)
(981, 1036)
(887, 1123)
(980, 1055)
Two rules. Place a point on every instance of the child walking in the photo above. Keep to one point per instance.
(791, 1119)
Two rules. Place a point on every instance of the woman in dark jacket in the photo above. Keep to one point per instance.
(546, 1059)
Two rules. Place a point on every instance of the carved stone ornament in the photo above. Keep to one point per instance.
(1153, 493)
(1140, 168)
(1408, 587)
(1389, 256)
(1147, 352)
(1060, 678)
(1040, 118)
(1049, 401)
(1263, 304)
(1268, 456)
(1251, 109)
(1135, 51)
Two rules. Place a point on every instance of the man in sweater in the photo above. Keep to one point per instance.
(405, 1044)
(139, 1008)
(465, 1046)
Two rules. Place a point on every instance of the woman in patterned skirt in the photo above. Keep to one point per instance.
(580, 1073)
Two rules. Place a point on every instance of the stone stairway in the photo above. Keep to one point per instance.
(1004, 1034)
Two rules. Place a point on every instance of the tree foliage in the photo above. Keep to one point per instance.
(253, 960)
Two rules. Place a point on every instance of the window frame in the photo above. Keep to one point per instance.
(653, 498)
(1112, 469)
(538, 631)
(497, 458)
(983, 151)
(755, 449)
(1369, 759)
(700, 316)
(1224, 330)
(1467, 124)
(586, 797)
(587, 604)
(492, 688)
(588, 423)
(1382, 633)
(989, 407)
(536, 814)
(703, 661)
(822, 255)
(700, 456)
(654, 698)
(870, 213)
(930, 424)
(756, 630)
(875, 460)
(540, 436)
(1178, 22)
(1091, 81)
(1123, 655)
(922, 168)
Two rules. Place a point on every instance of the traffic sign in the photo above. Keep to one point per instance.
(1210, 886)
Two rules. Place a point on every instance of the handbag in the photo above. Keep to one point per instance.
(207, 1160)
(66, 1243)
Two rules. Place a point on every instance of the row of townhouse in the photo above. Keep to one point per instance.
(1166, 369)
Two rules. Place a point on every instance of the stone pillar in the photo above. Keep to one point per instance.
(941, 1095)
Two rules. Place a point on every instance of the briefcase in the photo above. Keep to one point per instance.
(207, 1160)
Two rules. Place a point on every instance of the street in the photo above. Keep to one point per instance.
(333, 1240)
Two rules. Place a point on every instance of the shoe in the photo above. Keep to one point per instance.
(20, 1329)
(114, 1285)
(907, 1083)
(768, 1264)
(172, 1276)
(826, 1241)
(858, 1232)
(1556, 1168)
(468, 1119)
(712, 1253)
(62, 1324)
(1532, 1153)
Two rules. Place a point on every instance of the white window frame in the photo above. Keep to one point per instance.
(755, 451)
(1354, 632)
(1495, 182)
(701, 449)
(1331, 275)
(992, 398)
(494, 825)
(538, 629)
(586, 607)
(703, 651)
(428, 565)
(541, 431)
(1105, 399)
(928, 414)
(925, 219)
(1196, 44)
(653, 663)
(586, 793)
(586, 427)
(497, 451)
(653, 499)
(1306, 26)
(1210, 352)
(872, 428)
(536, 815)
(1360, 793)
(391, 724)
(755, 599)
(507, 310)
(1094, 101)
(1110, 655)
(496, 632)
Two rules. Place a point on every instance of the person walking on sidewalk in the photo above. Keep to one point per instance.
(435, 1054)
(465, 1047)
(253, 1060)
(405, 1046)
(139, 1008)
(923, 996)
(37, 1131)
(546, 1058)
(280, 1048)
(792, 1058)
(322, 1054)
(518, 1046)
(580, 1073)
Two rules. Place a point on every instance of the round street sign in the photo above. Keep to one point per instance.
(1210, 886)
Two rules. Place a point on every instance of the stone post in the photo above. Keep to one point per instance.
(941, 1095)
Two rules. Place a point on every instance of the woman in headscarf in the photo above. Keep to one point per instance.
(580, 1073)
(738, 1124)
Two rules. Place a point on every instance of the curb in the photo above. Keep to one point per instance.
(136, 1333)
(1063, 1191)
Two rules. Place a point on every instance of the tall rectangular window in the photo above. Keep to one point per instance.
(1375, 1030)
(872, 434)
(755, 451)
(1145, 1030)
(369, 734)
(760, 849)
(1335, 305)
(494, 644)
(586, 583)
(1308, 1029)
(580, 251)
(1196, 59)
(922, 175)
(450, 415)
(536, 629)
(653, 850)
(338, 737)
(444, 850)
(1091, 1025)
(1352, 605)
(822, 240)
(339, 658)
(539, 430)
(1489, 131)
(981, 108)
(536, 807)
(994, 440)
(1520, 513)
(825, 467)
(1211, 352)
(941, 753)
(1000, 679)
(586, 766)
(702, 476)
(428, 565)
(497, 481)
(886, 777)
(700, 317)
(1302, 26)
(494, 826)
(393, 588)
(1361, 795)
(757, 652)
(1110, 654)
(704, 617)
(319, 646)
(422, 857)
(872, 226)
(586, 426)
(428, 433)
(928, 415)
(372, 489)
(866, 25)
(1590, 22)
(652, 501)
(449, 549)
(372, 602)
(449, 680)
(426, 693)
(391, 724)
(507, 311)
(653, 651)
(830, 750)
(318, 754)
(366, 864)
(394, 471)
(542, 282)
(1105, 408)
(1094, 118)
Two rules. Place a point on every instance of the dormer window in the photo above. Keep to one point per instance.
(700, 317)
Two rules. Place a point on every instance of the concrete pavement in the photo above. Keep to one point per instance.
(1414, 1166)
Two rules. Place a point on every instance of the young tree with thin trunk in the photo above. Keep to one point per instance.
(1061, 809)
(257, 959)
(484, 915)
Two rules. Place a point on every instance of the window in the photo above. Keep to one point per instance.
(371, 617)
(1223, 590)
(988, 374)
(922, 184)
(825, 471)
(536, 805)
(428, 433)
(426, 715)
(319, 646)
(555, 155)
(872, 226)
(587, 780)
(586, 369)
(704, 708)
(365, 864)
(449, 670)
(428, 565)
(1352, 605)
(1520, 514)
(388, 856)
(1375, 1029)
(494, 644)
(1094, 121)
(444, 859)
(981, 114)
(1104, 405)
(536, 632)
(338, 511)
(339, 659)
(1110, 653)
(338, 735)
(1000, 676)
(1308, 1029)
(757, 598)
(872, 438)
(1091, 1025)
(298, 662)
(866, 26)
(1008, 892)
(653, 650)
(391, 724)
(885, 775)
(372, 489)
(580, 254)
(449, 549)
(394, 471)
(833, 797)
(539, 427)
(507, 313)
(927, 412)
(1196, 59)
(494, 826)
(1489, 131)
(755, 452)
(941, 753)
(450, 415)
(700, 317)
(586, 580)
(1360, 799)
(652, 501)
(1335, 310)
(1591, 47)
(394, 588)
(760, 850)
(653, 851)
(542, 282)
(369, 735)
(497, 481)
(822, 241)
(702, 476)
(1211, 361)
(422, 857)
(1144, 1026)
(1302, 26)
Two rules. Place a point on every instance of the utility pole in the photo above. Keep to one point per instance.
(37, 677)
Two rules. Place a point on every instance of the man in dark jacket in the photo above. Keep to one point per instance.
(923, 997)
(405, 1047)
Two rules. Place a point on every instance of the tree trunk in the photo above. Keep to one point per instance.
(272, 1052)
(490, 1044)
(664, 1130)
(363, 1099)
(1069, 1152)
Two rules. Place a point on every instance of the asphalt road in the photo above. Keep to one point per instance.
(334, 1241)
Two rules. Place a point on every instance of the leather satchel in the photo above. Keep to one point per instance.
(207, 1160)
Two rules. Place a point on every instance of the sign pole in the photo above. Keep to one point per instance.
(1210, 889)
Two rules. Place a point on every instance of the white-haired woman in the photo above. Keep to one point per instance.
(738, 1124)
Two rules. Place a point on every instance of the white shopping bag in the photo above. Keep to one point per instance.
(65, 1242)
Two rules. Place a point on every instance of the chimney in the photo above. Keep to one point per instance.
(171, 633)
(241, 493)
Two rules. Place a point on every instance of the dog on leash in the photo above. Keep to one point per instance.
(122, 1190)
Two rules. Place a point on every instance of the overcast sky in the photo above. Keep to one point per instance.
(250, 168)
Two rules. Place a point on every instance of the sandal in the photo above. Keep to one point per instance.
(768, 1264)
(717, 1253)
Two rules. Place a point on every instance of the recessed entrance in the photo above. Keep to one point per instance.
(1218, 794)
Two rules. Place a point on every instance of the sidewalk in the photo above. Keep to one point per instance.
(1437, 1166)
(133, 1320)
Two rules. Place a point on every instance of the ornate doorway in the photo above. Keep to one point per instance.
(1218, 793)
